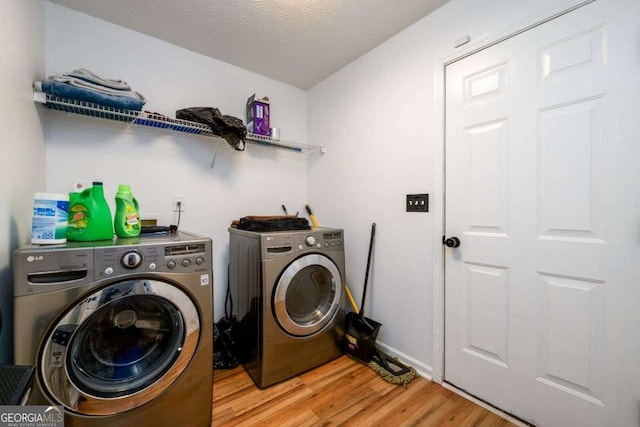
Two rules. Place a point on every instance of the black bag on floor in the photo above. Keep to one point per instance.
(226, 338)
(224, 344)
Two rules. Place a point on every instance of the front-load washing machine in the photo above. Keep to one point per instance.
(120, 331)
(287, 292)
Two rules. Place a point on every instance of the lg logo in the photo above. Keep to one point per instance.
(32, 258)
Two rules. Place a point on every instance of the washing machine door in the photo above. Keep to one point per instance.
(119, 347)
(307, 295)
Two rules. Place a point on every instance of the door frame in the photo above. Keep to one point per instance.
(483, 42)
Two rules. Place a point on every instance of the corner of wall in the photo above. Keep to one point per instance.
(23, 162)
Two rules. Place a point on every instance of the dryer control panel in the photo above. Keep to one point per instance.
(275, 245)
(318, 240)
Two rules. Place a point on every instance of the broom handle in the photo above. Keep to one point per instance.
(366, 274)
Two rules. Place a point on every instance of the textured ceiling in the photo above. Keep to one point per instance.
(299, 42)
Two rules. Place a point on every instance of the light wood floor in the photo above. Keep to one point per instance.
(341, 392)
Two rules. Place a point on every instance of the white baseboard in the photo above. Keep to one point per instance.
(422, 369)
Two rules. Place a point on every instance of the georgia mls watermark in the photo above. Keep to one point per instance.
(31, 416)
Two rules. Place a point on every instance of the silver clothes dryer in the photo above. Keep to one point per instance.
(287, 292)
(120, 331)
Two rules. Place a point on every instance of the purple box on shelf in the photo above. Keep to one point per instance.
(258, 115)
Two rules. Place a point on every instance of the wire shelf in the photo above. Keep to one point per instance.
(178, 125)
(267, 140)
(145, 118)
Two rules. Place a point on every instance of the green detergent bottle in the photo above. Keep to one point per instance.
(127, 219)
(90, 216)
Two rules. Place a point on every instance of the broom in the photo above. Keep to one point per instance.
(361, 336)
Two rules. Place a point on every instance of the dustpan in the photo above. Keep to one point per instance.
(360, 336)
(360, 331)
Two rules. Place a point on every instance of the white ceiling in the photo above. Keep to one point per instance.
(299, 42)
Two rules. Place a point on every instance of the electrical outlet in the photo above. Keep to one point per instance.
(417, 203)
(178, 198)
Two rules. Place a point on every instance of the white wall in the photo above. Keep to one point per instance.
(377, 118)
(158, 164)
(22, 161)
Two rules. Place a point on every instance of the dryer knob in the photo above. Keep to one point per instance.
(310, 240)
(131, 259)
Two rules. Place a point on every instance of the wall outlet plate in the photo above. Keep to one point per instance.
(417, 203)
(178, 198)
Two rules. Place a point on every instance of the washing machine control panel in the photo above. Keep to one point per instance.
(131, 259)
(175, 258)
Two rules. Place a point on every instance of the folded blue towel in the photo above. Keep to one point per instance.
(68, 91)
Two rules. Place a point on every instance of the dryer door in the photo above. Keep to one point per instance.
(307, 295)
(119, 347)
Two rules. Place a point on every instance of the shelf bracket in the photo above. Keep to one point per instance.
(215, 153)
(40, 97)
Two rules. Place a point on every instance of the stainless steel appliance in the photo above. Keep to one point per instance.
(120, 331)
(287, 291)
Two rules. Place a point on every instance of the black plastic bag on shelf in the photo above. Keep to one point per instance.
(232, 129)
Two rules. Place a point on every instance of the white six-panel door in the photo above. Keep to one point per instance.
(542, 298)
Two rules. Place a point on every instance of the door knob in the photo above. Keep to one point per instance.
(452, 242)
